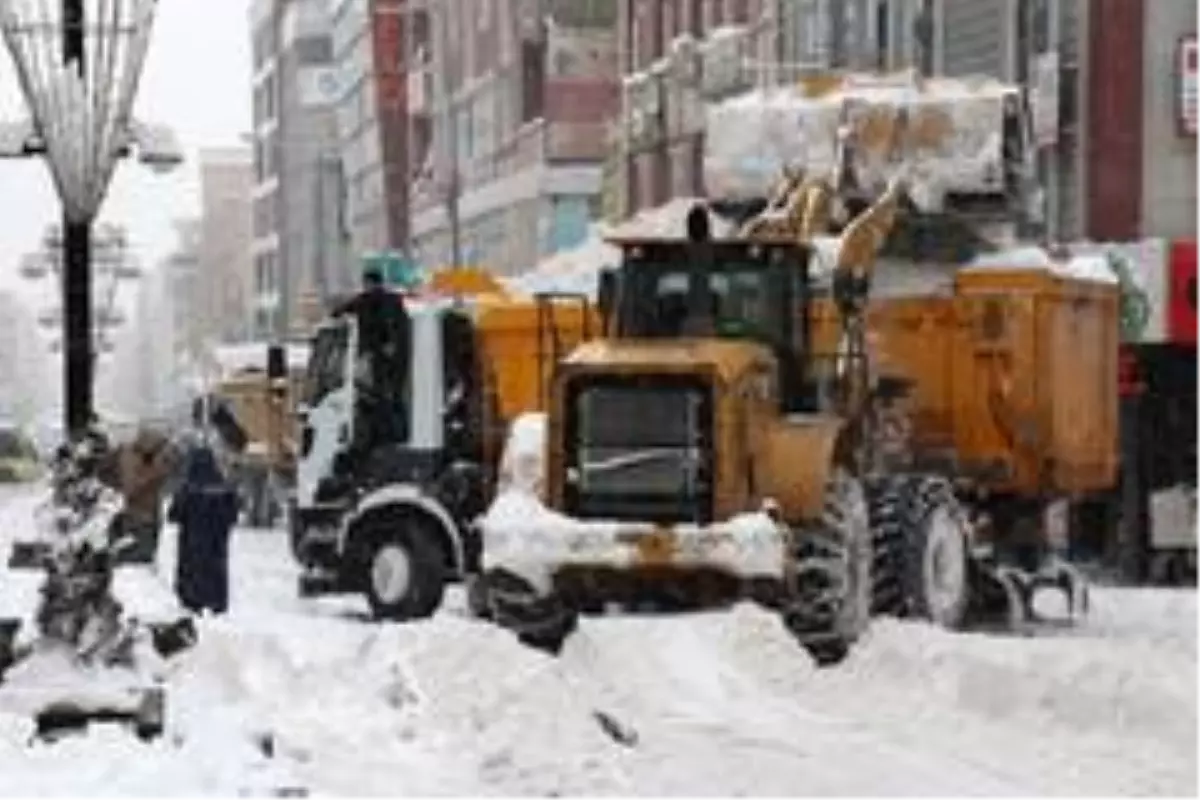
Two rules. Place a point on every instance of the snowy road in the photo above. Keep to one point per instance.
(710, 704)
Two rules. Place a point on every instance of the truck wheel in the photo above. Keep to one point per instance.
(405, 571)
(828, 602)
(886, 501)
(935, 571)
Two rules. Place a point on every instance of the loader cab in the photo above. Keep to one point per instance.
(352, 439)
(729, 289)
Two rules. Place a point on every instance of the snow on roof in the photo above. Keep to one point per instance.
(575, 270)
(1031, 257)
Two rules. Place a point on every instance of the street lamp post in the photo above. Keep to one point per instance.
(111, 262)
(77, 257)
(79, 100)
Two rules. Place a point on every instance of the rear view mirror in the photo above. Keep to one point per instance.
(276, 362)
(606, 294)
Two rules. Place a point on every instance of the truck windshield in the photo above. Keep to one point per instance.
(327, 364)
(734, 299)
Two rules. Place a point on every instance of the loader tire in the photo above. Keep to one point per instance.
(886, 498)
(404, 570)
(828, 603)
(926, 532)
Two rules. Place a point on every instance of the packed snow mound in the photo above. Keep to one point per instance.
(954, 140)
(389, 709)
(576, 269)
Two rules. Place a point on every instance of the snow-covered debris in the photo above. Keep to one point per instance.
(954, 139)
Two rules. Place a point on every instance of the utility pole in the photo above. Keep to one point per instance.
(76, 272)
(450, 128)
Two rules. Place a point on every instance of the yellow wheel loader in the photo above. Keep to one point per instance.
(685, 456)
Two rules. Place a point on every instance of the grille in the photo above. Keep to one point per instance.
(640, 450)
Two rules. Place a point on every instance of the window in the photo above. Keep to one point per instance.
(314, 50)
(882, 35)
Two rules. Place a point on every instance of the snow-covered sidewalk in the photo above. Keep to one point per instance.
(286, 694)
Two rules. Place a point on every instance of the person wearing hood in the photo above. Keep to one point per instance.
(142, 469)
(206, 508)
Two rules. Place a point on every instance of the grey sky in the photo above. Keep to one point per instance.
(197, 80)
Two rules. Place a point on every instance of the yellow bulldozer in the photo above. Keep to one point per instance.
(756, 424)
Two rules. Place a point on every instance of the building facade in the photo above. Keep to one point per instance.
(520, 96)
(226, 214)
(1098, 179)
(371, 113)
(181, 270)
(299, 242)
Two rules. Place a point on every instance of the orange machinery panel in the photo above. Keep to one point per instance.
(909, 337)
(1014, 376)
(1035, 380)
(520, 366)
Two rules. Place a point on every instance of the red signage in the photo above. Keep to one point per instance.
(1181, 307)
(1185, 75)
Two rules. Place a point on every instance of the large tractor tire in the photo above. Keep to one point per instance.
(404, 569)
(543, 622)
(828, 605)
(922, 539)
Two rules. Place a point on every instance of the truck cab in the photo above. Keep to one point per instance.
(387, 484)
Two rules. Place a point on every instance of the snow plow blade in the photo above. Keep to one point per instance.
(1006, 597)
(542, 570)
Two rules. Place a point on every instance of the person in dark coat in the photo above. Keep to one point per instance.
(205, 507)
(384, 330)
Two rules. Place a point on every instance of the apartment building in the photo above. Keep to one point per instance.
(298, 250)
(519, 95)
(182, 285)
(226, 216)
(372, 120)
(1099, 180)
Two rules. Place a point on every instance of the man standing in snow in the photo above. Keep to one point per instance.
(206, 509)
(383, 333)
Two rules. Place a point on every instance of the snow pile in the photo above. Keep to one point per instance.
(576, 269)
(1100, 711)
(526, 538)
(1083, 267)
(954, 139)
(289, 695)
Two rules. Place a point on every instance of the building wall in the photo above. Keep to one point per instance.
(977, 37)
(1115, 124)
(297, 247)
(532, 106)
(1168, 159)
(268, 243)
(357, 126)
(226, 187)
(182, 267)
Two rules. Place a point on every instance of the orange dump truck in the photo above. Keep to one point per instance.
(1012, 375)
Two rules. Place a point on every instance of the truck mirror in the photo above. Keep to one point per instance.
(276, 363)
(606, 294)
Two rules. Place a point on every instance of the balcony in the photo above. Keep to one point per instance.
(535, 144)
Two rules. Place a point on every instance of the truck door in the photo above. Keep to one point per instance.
(327, 411)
